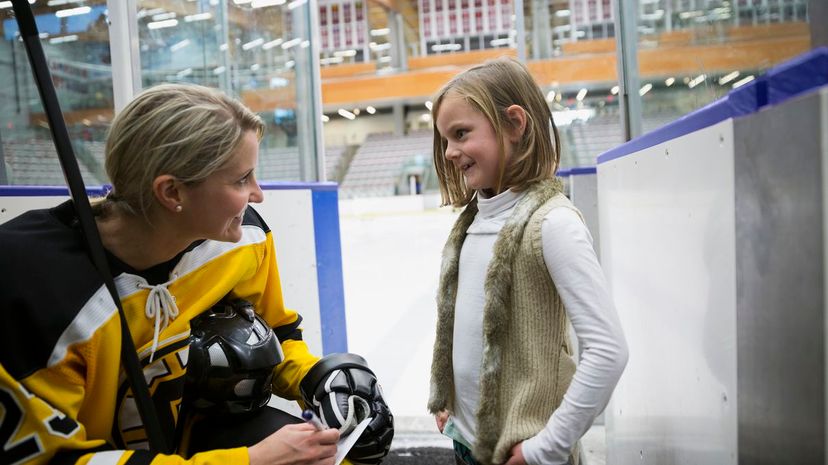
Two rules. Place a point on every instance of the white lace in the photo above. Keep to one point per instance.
(161, 306)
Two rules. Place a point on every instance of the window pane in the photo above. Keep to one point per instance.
(257, 51)
(75, 40)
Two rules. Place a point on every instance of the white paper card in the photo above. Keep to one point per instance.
(346, 443)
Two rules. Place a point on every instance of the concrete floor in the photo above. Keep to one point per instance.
(391, 259)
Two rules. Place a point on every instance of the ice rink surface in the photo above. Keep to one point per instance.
(391, 251)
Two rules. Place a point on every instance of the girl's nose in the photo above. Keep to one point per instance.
(451, 152)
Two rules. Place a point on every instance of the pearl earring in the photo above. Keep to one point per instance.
(178, 208)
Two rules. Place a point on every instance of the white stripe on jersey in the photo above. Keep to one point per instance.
(208, 250)
(100, 308)
(106, 458)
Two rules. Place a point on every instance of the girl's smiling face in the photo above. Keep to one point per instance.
(471, 142)
(214, 208)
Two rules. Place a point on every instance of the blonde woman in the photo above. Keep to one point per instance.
(180, 238)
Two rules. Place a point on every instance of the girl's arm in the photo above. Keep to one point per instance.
(573, 266)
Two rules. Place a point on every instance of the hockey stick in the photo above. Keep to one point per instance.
(77, 190)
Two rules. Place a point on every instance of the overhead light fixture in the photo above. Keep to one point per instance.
(742, 81)
(81, 10)
(371, 110)
(271, 44)
(331, 60)
(219, 70)
(266, 3)
(644, 89)
(325, 118)
(581, 94)
(428, 104)
(163, 16)
(179, 45)
(346, 114)
(163, 24)
(615, 90)
(728, 77)
(296, 4)
(291, 43)
(252, 44)
(198, 17)
(669, 81)
(444, 47)
(184, 73)
(562, 13)
(345, 53)
(696, 80)
(380, 32)
(63, 39)
(550, 96)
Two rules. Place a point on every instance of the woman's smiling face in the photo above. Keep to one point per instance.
(214, 208)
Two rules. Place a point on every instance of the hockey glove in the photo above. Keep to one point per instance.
(343, 391)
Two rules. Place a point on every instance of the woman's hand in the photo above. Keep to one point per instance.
(516, 455)
(299, 444)
(442, 418)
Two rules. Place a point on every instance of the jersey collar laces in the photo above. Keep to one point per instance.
(161, 306)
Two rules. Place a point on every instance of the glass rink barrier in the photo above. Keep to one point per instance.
(713, 239)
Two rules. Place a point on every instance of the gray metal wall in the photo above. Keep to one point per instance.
(780, 282)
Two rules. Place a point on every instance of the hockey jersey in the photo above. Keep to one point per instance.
(64, 395)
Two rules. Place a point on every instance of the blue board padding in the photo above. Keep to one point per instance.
(797, 76)
(329, 271)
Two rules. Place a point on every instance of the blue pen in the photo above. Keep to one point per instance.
(310, 417)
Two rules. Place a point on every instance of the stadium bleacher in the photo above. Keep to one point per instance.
(377, 164)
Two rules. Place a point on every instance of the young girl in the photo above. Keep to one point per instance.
(517, 267)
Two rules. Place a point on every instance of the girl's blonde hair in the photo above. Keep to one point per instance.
(187, 131)
(491, 88)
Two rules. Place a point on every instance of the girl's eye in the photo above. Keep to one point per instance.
(460, 133)
(245, 178)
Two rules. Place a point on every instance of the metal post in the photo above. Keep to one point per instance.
(818, 14)
(314, 94)
(225, 81)
(520, 26)
(124, 51)
(626, 39)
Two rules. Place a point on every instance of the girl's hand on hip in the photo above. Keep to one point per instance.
(442, 418)
(299, 444)
(516, 455)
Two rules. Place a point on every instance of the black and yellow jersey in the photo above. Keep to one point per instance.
(64, 396)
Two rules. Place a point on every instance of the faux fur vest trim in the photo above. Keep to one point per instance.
(502, 409)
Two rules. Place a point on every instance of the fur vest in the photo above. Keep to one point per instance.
(527, 364)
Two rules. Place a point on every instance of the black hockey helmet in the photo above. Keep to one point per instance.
(232, 355)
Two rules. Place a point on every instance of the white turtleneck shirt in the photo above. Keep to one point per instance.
(571, 261)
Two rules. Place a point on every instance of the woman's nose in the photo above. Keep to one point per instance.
(256, 194)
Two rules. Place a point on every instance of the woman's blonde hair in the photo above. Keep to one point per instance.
(187, 131)
(491, 88)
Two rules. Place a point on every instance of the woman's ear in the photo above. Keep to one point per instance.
(167, 190)
(517, 120)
